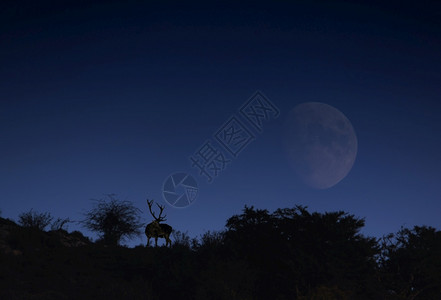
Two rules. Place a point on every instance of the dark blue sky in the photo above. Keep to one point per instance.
(113, 98)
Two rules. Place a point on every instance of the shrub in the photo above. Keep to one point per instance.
(33, 219)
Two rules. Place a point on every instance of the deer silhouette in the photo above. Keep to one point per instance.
(157, 229)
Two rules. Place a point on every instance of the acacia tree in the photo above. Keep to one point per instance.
(113, 219)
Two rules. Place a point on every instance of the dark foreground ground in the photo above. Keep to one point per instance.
(288, 254)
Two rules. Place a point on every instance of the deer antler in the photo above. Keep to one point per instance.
(161, 208)
(150, 203)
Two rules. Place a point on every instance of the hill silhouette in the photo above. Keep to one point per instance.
(290, 253)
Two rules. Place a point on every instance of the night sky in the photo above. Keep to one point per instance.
(113, 98)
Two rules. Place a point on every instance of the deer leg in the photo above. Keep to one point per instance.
(156, 241)
(148, 241)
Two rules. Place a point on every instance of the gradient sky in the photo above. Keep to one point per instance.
(113, 98)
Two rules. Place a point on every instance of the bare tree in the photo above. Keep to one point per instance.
(113, 219)
(59, 223)
(33, 219)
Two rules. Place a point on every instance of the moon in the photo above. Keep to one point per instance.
(320, 143)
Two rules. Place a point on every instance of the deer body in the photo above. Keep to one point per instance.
(156, 229)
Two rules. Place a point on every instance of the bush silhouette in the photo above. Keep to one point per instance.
(35, 219)
(113, 219)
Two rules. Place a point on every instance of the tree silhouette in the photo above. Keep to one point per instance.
(290, 253)
(113, 219)
(298, 253)
(411, 263)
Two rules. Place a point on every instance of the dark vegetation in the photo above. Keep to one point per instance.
(33, 219)
(288, 254)
(113, 219)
